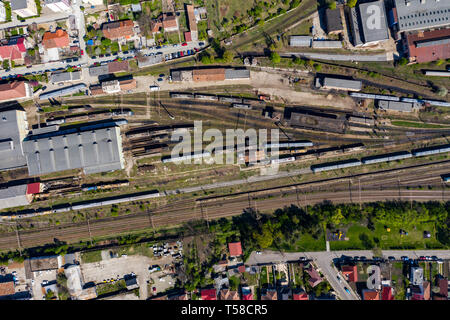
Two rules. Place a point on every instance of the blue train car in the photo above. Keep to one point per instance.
(386, 157)
(431, 150)
(335, 165)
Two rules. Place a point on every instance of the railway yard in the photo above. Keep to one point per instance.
(354, 154)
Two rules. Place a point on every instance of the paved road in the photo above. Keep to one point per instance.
(341, 57)
(324, 260)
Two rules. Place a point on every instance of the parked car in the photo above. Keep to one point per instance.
(201, 44)
(434, 258)
(422, 258)
(195, 49)
(346, 290)
(258, 252)
(184, 44)
(391, 258)
(81, 52)
(404, 258)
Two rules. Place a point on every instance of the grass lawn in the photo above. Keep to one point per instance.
(105, 288)
(91, 256)
(141, 249)
(386, 240)
(307, 242)
(416, 124)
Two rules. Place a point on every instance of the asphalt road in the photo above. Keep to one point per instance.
(324, 261)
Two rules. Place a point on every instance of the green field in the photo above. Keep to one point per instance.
(91, 256)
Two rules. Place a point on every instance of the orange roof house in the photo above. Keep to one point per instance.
(235, 249)
(351, 273)
(6, 285)
(118, 29)
(191, 18)
(208, 74)
(371, 295)
(57, 39)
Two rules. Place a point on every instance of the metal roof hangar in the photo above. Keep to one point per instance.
(422, 14)
(92, 149)
(13, 129)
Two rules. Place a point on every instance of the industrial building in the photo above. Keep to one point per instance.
(150, 60)
(333, 21)
(18, 195)
(426, 46)
(421, 14)
(65, 76)
(210, 74)
(300, 41)
(328, 83)
(327, 44)
(96, 148)
(113, 86)
(366, 30)
(398, 106)
(63, 92)
(13, 129)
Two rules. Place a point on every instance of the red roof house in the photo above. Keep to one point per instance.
(426, 290)
(426, 46)
(300, 295)
(14, 49)
(33, 188)
(14, 90)
(57, 39)
(371, 295)
(235, 249)
(351, 273)
(208, 294)
(246, 293)
(315, 278)
(118, 29)
(386, 293)
(187, 36)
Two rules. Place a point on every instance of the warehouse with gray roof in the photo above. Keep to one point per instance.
(150, 60)
(329, 83)
(234, 74)
(92, 149)
(65, 76)
(300, 41)
(13, 129)
(397, 106)
(368, 23)
(422, 14)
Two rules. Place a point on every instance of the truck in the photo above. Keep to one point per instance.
(154, 88)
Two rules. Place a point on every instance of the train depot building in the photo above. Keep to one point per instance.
(13, 129)
(95, 148)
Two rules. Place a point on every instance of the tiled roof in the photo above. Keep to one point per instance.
(118, 66)
(235, 248)
(169, 21)
(351, 273)
(13, 50)
(371, 295)
(7, 288)
(270, 294)
(57, 39)
(226, 294)
(13, 90)
(33, 188)
(191, 17)
(118, 29)
(208, 294)
(386, 293)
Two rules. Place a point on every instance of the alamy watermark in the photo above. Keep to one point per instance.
(237, 147)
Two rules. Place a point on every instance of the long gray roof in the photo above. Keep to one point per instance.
(13, 196)
(342, 83)
(237, 74)
(300, 41)
(417, 14)
(11, 154)
(371, 31)
(396, 106)
(65, 76)
(98, 70)
(18, 4)
(97, 150)
(150, 60)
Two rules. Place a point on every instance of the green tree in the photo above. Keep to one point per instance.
(317, 66)
(275, 57)
(332, 5)
(228, 56)
(403, 61)
(106, 42)
(351, 3)
(263, 239)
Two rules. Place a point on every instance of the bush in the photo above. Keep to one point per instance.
(332, 5)
(351, 3)
(275, 57)
(403, 61)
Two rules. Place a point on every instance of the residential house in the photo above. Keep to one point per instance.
(350, 273)
(15, 90)
(24, 8)
(416, 277)
(58, 5)
(13, 49)
(370, 294)
(314, 277)
(426, 46)
(220, 266)
(166, 21)
(53, 43)
(227, 294)
(94, 3)
(2, 12)
(118, 30)
(426, 290)
(235, 249)
(208, 294)
(286, 293)
(299, 294)
(131, 282)
(246, 293)
(269, 294)
(192, 21)
(7, 286)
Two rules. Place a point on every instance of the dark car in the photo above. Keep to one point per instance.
(162, 75)
(108, 55)
(404, 258)
(158, 47)
(201, 43)
(391, 258)
(434, 258)
(94, 57)
(125, 52)
(160, 79)
(362, 258)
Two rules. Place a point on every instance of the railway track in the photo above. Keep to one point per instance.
(179, 215)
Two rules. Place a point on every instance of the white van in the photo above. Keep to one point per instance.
(154, 88)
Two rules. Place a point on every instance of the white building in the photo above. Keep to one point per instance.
(93, 2)
(24, 8)
(111, 86)
(2, 12)
(58, 5)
